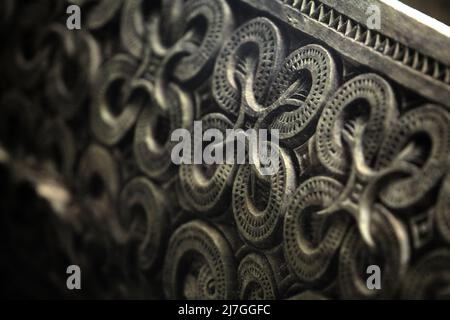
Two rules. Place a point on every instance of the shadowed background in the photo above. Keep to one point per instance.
(438, 9)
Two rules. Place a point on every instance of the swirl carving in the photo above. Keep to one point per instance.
(363, 144)
(202, 258)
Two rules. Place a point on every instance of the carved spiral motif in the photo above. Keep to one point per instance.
(29, 24)
(143, 215)
(365, 100)
(205, 286)
(258, 202)
(429, 278)
(119, 99)
(30, 67)
(256, 278)
(152, 143)
(217, 16)
(163, 30)
(199, 255)
(421, 138)
(206, 188)
(65, 88)
(391, 255)
(254, 51)
(94, 114)
(310, 240)
(99, 179)
(306, 82)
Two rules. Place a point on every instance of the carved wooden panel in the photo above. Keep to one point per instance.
(364, 128)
